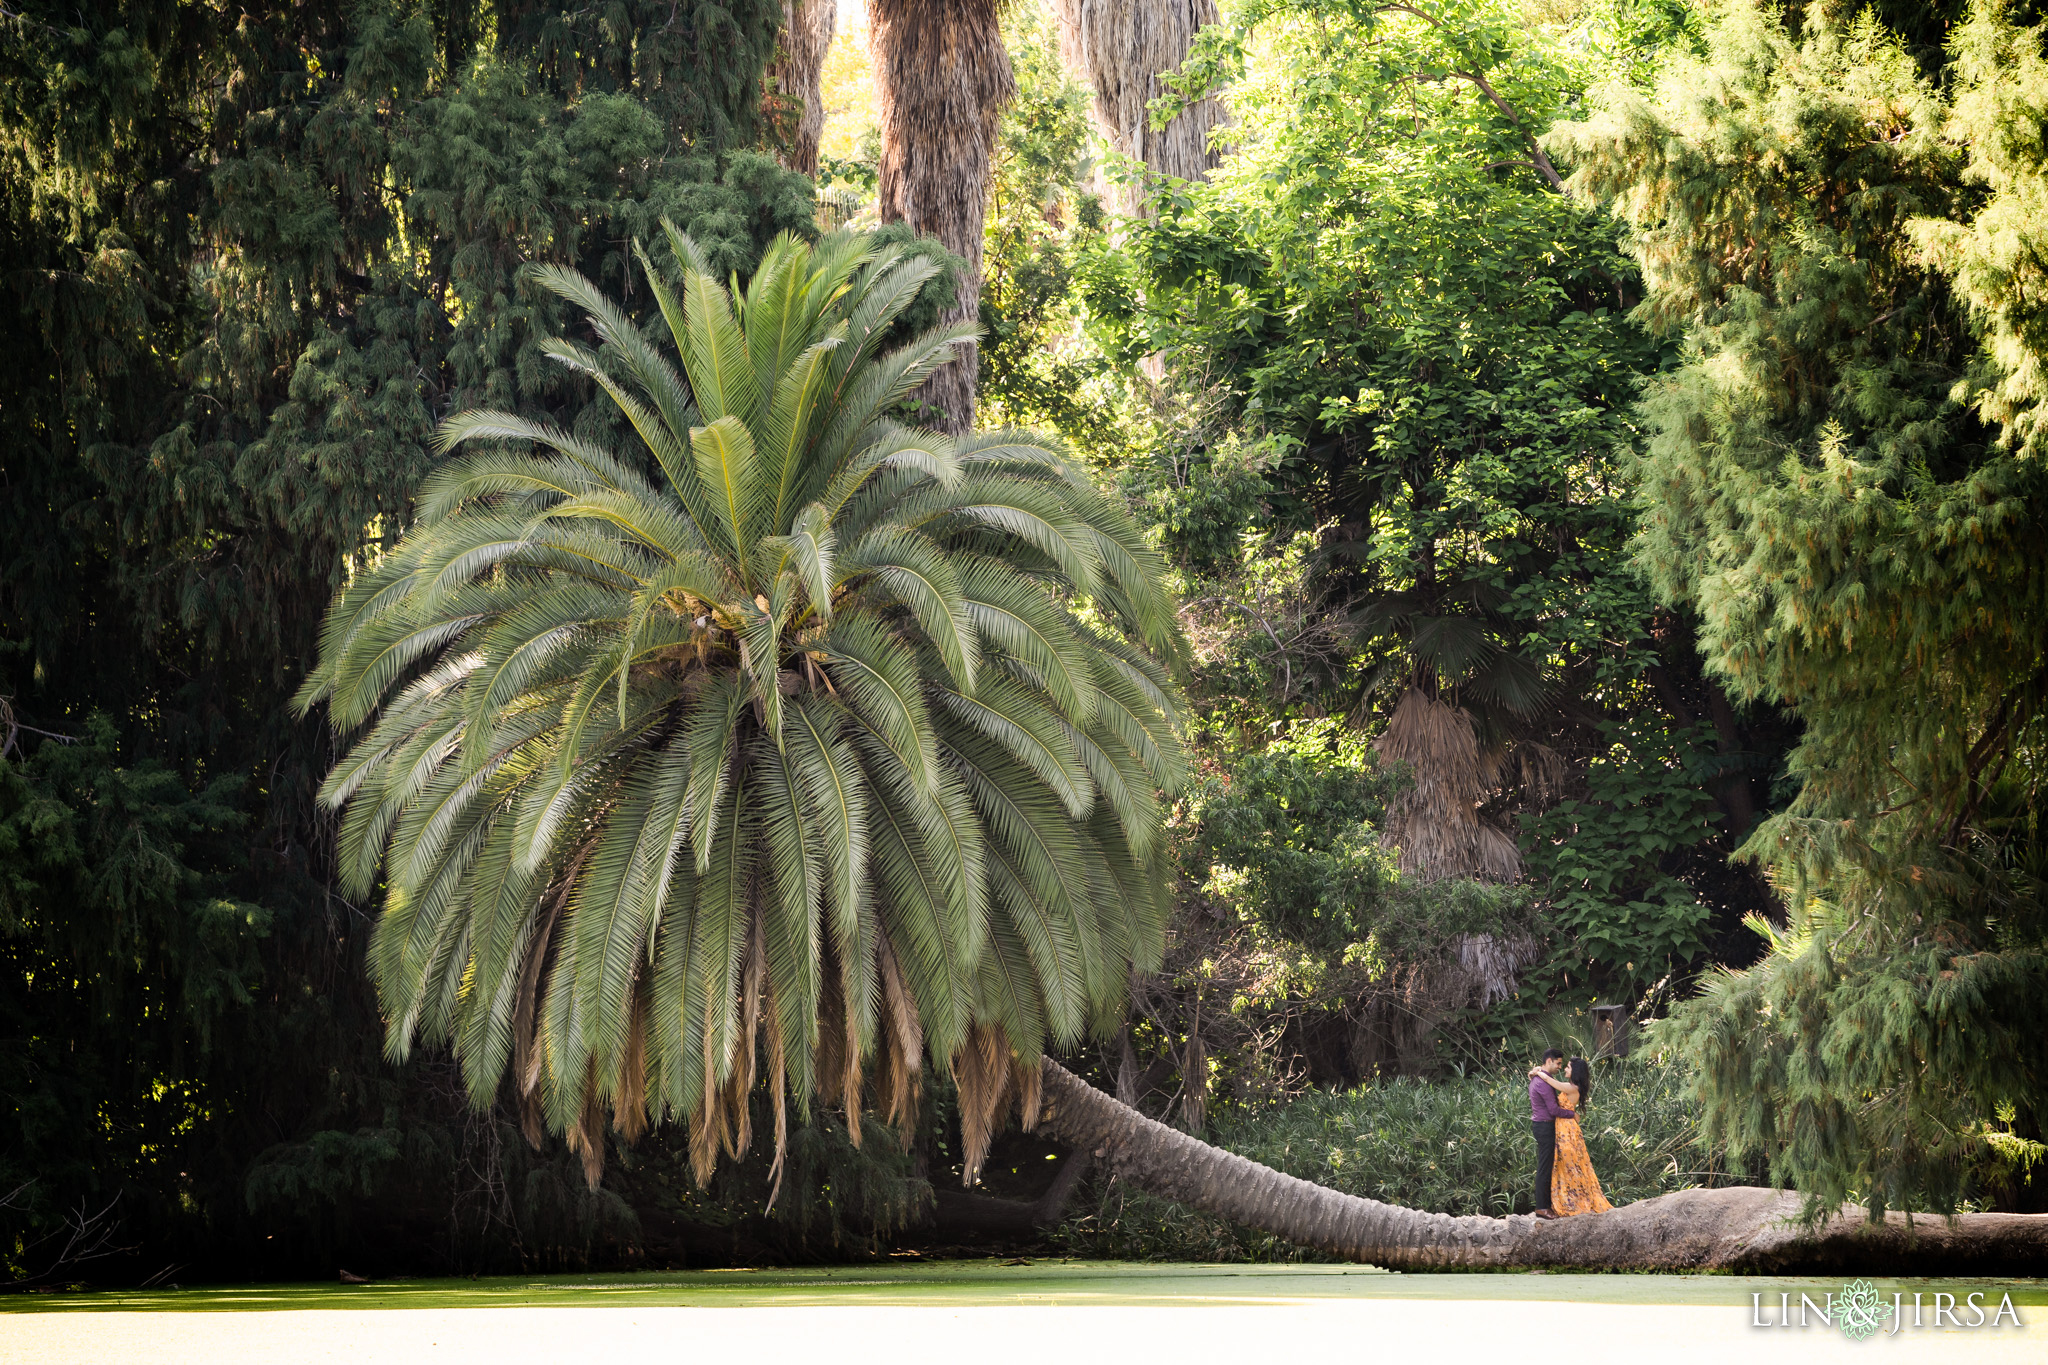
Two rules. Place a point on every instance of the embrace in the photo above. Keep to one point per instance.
(1565, 1183)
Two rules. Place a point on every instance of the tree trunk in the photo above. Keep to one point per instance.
(1746, 1229)
(798, 70)
(1119, 49)
(1734, 793)
(942, 78)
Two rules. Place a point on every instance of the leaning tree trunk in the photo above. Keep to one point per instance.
(798, 73)
(942, 78)
(1745, 1229)
(1120, 48)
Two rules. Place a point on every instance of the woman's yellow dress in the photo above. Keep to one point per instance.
(1573, 1186)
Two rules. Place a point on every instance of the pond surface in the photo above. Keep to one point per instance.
(993, 1283)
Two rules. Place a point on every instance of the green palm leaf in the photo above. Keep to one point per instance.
(773, 731)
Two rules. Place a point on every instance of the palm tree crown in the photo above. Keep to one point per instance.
(792, 736)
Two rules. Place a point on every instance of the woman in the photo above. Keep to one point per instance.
(1573, 1186)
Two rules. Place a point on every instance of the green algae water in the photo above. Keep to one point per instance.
(952, 1284)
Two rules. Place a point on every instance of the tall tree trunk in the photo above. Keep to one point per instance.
(942, 77)
(1743, 1229)
(1119, 49)
(1733, 792)
(798, 71)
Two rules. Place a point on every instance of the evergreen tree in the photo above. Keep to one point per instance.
(253, 255)
(1841, 481)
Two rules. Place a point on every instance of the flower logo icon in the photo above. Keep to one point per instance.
(1859, 1310)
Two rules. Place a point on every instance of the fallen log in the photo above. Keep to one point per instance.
(1739, 1229)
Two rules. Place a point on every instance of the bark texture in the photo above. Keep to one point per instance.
(942, 79)
(1119, 49)
(798, 71)
(1745, 1229)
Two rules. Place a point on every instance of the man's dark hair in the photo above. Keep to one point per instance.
(1556, 1052)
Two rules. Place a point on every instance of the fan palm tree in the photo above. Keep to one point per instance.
(784, 736)
(1119, 49)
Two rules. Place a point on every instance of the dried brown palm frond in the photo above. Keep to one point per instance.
(942, 79)
(629, 1109)
(1435, 824)
(1491, 963)
(797, 71)
(1543, 772)
(981, 1079)
(586, 1140)
(1119, 49)
(902, 1045)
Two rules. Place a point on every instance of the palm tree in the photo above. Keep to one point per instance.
(1119, 49)
(798, 72)
(1742, 1228)
(793, 735)
(943, 77)
(782, 735)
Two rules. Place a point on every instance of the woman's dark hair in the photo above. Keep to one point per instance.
(1581, 1075)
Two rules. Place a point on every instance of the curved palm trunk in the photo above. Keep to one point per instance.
(1731, 1229)
(942, 77)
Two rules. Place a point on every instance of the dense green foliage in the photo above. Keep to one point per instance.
(1415, 350)
(253, 255)
(1842, 482)
(1293, 839)
(1389, 455)
(1689, 452)
(1604, 858)
(1430, 342)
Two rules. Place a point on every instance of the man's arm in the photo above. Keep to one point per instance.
(1543, 1100)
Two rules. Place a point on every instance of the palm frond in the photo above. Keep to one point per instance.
(799, 744)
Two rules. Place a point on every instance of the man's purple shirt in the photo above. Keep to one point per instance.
(1543, 1105)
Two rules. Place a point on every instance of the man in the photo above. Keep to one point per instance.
(1544, 1112)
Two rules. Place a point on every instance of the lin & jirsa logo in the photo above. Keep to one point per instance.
(1861, 1312)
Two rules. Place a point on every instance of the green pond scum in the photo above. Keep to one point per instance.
(1059, 1283)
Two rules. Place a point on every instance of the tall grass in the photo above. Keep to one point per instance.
(1455, 1146)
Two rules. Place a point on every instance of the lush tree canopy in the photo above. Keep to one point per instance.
(780, 722)
(1841, 480)
(1591, 451)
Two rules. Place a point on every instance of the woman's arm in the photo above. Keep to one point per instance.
(1553, 1082)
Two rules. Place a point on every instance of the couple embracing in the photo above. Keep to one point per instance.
(1565, 1183)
